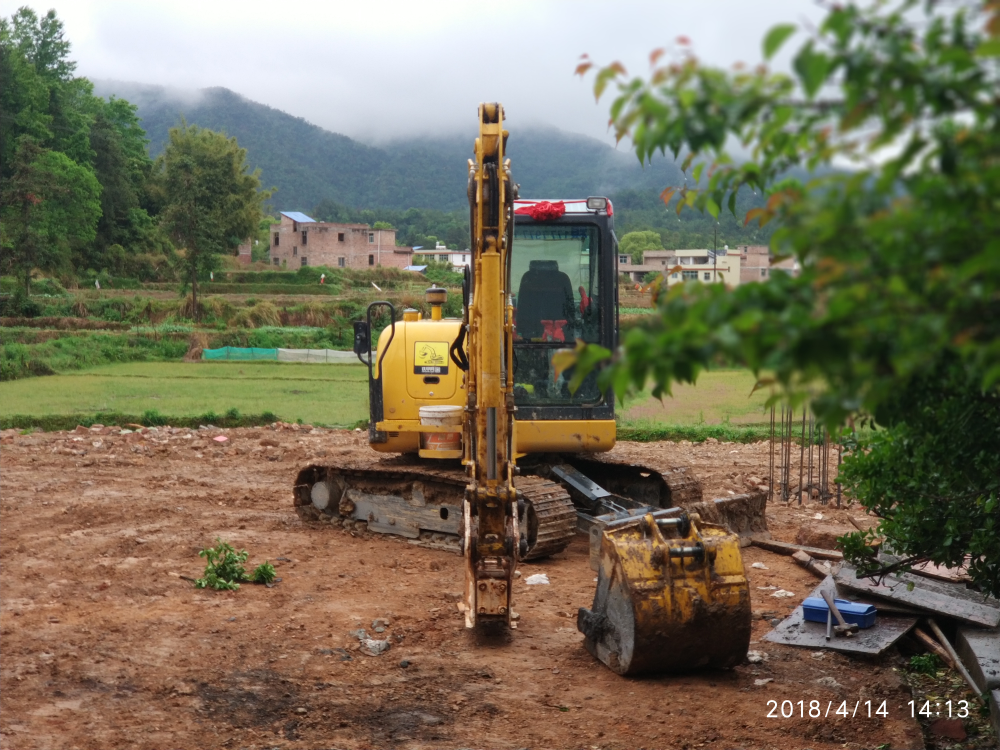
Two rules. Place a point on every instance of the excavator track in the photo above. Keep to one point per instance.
(424, 503)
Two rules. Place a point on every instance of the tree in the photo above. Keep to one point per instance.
(895, 318)
(49, 204)
(637, 243)
(212, 202)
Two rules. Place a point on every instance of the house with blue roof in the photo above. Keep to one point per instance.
(298, 240)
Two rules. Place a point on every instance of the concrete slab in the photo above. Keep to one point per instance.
(794, 630)
(937, 597)
(979, 650)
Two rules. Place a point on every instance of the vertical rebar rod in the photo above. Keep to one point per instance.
(812, 425)
(802, 453)
(781, 456)
(770, 461)
(840, 454)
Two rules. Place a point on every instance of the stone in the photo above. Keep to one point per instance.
(373, 647)
(821, 535)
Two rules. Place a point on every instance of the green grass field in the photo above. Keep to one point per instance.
(720, 397)
(320, 394)
(337, 395)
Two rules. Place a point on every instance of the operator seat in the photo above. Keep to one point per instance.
(545, 293)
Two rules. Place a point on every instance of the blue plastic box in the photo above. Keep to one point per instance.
(814, 609)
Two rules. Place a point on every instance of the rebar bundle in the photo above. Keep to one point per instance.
(813, 467)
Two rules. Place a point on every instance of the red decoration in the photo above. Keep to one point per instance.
(543, 211)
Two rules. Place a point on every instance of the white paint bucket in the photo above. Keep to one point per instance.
(442, 416)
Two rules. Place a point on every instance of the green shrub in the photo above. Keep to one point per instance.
(263, 573)
(224, 570)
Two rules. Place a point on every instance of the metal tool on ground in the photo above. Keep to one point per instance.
(498, 458)
(844, 628)
(829, 623)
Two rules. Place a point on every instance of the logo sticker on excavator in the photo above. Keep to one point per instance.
(430, 358)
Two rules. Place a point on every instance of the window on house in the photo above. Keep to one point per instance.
(443, 258)
(623, 259)
(276, 261)
(276, 236)
(341, 262)
(295, 251)
(371, 260)
(763, 272)
(708, 276)
(663, 262)
(305, 261)
(305, 236)
(690, 275)
(675, 275)
(295, 226)
(340, 236)
(371, 237)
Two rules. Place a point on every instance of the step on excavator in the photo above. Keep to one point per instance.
(495, 457)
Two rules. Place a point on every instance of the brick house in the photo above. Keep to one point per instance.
(298, 240)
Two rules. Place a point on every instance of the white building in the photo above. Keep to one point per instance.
(442, 254)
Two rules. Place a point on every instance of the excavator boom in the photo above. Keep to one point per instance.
(491, 544)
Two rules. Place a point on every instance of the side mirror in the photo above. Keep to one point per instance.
(362, 337)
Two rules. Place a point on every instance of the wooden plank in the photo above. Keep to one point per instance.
(794, 630)
(786, 548)
(946, 599)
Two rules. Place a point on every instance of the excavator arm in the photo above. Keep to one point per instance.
(491, 544)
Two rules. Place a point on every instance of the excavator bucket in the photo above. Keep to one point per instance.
(671, 596)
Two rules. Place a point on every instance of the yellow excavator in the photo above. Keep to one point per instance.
(495, 457)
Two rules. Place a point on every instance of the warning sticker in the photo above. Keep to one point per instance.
(430, 358)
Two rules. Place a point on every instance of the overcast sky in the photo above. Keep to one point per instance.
(377, 69)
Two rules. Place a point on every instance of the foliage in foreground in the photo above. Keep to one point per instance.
(895, 317)
(224, 569)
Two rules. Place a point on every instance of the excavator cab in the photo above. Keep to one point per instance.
(563, 272)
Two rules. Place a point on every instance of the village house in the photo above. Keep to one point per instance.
(298, 240)
(757, 264)
(441, 254)
(706, 266)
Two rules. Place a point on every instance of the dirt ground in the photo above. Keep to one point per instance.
(106, 646)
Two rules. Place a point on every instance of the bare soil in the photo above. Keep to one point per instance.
(106, 646)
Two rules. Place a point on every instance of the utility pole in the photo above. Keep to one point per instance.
(378, 250)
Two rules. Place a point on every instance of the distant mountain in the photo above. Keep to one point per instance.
(309, 164)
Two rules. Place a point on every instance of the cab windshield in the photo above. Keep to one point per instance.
(555, 285)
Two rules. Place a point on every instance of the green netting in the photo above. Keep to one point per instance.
(239, 354)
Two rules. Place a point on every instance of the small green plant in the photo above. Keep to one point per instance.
(925, 664)
(224, 570)
(263, 573)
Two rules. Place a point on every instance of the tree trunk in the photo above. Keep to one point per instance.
(194, 293)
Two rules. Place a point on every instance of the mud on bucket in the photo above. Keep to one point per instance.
(442, 416)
